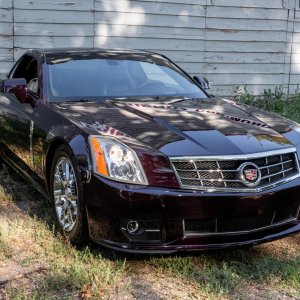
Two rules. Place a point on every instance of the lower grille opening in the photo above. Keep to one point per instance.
(285, 214)
(200, 226)
(242, 225)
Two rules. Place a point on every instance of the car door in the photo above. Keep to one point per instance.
(16, 116)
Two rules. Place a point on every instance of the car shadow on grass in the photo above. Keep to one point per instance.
(223, 273)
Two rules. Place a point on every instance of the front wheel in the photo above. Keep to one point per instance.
(67, 199)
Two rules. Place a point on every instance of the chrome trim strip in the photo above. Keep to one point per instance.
(278, 173)
(274, 165)
(214, 179)
(199, 170)
(224, 170)
(245, 190)
(222, 175)
(233, 157)
(199, 177)
(231, 180)
(196, 234)
(146, 230)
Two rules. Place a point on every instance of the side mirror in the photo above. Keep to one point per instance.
(16, 86)
(202, 81)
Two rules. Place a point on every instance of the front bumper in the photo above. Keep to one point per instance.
(165, 212)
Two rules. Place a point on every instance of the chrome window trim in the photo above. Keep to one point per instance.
(236, 157)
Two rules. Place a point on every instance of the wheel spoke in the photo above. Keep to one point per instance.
(60, 173)
(67, 171)
(73, 208)
(67, 225)
(65, 206)
(70, 215)
(71, 180)
(57, 192)
(59, 212)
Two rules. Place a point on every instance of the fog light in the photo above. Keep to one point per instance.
(133, 226)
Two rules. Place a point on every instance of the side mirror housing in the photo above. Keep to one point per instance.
(16, 86)
(202, 81)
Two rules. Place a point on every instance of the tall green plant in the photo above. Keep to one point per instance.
(272, 100)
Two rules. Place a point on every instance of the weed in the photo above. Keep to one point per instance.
(21, 294)
(274, 101)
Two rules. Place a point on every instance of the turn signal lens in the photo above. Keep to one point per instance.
(100, 163)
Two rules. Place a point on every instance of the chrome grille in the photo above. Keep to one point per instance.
(222, 173)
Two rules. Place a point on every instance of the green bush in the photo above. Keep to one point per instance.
(273, 101)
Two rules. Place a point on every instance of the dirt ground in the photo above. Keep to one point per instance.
(35, 263)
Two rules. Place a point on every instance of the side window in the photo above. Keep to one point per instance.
(27, 68)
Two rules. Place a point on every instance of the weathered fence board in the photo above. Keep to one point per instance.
(159, 7)
(233, 42)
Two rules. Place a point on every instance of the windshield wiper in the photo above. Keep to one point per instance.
(82, 100)
(179, 100)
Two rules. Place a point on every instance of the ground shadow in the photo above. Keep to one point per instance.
(220, 271)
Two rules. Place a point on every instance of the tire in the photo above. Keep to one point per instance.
(67, 197)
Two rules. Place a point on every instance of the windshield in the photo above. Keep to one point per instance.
(102, 78)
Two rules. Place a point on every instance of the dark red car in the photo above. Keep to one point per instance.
(135, 155)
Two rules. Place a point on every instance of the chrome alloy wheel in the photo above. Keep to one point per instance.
(65, 193)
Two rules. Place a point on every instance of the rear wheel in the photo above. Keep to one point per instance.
(67, 197)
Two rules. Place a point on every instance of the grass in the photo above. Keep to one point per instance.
(29, 243)
(84, 270)
(225, 274)
(37, 263)
(211, 277)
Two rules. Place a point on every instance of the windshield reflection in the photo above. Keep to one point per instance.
(72, 79)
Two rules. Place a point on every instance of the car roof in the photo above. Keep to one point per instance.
(61, 52)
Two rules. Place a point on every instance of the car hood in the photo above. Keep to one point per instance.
(185, 127)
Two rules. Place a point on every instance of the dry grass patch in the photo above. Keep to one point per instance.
(36, 263)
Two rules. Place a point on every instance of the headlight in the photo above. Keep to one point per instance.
(113, 159)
